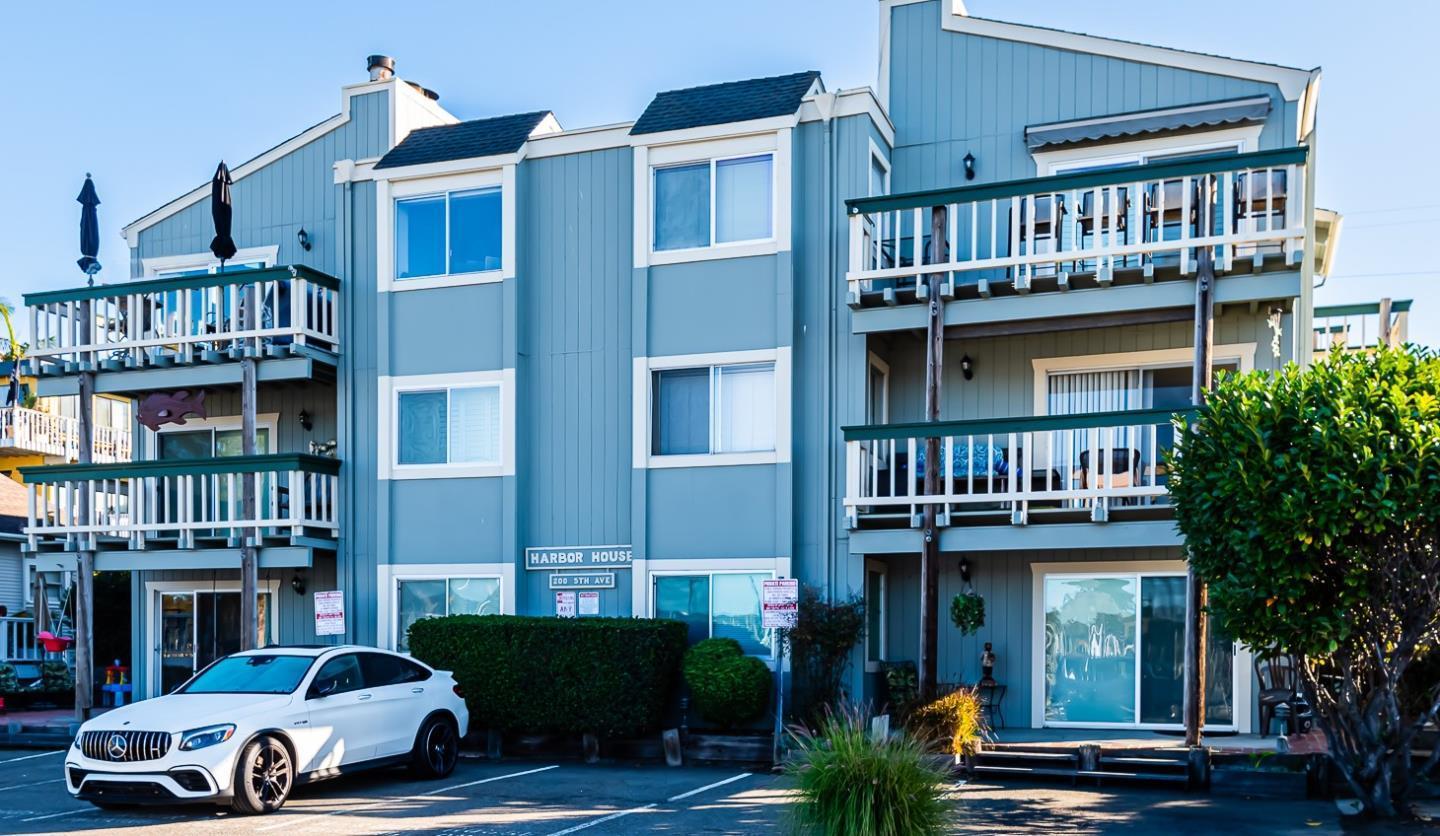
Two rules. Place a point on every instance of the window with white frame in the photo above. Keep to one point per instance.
(875, 611)
(449, 233)
(713, 409)
(448, 425)
(714, 202)
(715, 605)
(417, 598)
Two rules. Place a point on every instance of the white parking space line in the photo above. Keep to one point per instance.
(622, 813)
(62, 815)
(34, 784)
(284, 823)
(31, 757)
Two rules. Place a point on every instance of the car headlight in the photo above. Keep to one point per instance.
(208, 736)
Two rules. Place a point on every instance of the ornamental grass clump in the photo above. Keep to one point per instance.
(954, 720)
(850, 783)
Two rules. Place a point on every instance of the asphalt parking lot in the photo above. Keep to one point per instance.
(558, 798)
(516, 798)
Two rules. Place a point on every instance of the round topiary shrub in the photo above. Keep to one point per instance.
(728, 687)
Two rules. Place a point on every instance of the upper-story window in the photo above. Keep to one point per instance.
(714, 202)
(449, 425)
(714, 409)
(446, 234)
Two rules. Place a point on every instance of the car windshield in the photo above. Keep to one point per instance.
(253, 674)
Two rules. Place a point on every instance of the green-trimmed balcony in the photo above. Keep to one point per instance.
(1091, 243)
(194, 322)
(190, 504)
(1090, 468)
(1363, 326)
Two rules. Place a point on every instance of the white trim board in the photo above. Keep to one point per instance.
(387, 424)
(387, 574)
(267, 255)
(426, 113)
(642, 400)
(1241, 353)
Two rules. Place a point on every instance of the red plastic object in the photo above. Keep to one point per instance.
(53, 643)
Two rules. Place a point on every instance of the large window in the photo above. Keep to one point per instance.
(714, 409)
(448, 234)
(419, 598)
(449, 425)
(720, 201)
(715, 605)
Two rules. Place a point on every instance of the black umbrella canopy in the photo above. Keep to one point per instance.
(223, 246)
(89, 228)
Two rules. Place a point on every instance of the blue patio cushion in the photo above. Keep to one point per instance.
(984, 459)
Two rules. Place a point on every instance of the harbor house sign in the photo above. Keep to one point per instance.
(579, 557)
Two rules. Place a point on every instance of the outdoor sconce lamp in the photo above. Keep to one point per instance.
(306, 422)
(297, 583)
(967, 367)
(965, 570)
(969, 166)
(304, 238)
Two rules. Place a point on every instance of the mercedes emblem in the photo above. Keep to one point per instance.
(115, 748)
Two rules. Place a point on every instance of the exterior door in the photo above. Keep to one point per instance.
(346, 719)
(196, 627)
(399, 694)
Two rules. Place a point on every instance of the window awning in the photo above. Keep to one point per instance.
(1189, 117)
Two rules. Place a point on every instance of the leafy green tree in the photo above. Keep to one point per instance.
(1310, 502)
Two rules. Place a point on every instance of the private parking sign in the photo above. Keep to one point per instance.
(779, 603)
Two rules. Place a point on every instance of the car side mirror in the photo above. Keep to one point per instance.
(323, 689)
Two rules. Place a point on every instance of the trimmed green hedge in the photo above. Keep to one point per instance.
(730, 688)
(609, 676)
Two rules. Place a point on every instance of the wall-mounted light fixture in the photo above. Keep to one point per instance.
(969, 166)
(307, 423)
(304, 238)
(967, 367)
(297, 583)
(965, 570)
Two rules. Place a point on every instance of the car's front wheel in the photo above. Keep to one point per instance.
(437, 748)
(264, 775)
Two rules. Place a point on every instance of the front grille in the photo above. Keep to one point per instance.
(125, 791)
(125, 746)
(190, 779)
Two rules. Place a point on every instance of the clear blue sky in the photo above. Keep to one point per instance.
(149, 96)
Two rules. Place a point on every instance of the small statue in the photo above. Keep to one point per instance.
(987, 665)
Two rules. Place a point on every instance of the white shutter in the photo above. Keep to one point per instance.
(475, 424)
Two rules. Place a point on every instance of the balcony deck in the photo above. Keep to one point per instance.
(192, 505)
(145, 328)
(1013, 472)
(1088, 243)
(29, 432)
(1359, 327)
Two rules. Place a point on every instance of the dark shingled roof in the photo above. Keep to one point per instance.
(476, 138)
(733, 101)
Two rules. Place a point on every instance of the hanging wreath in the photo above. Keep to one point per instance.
(967, 610)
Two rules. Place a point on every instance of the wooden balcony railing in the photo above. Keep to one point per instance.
(30, 431)
(1359, 327)
(1085, 223)
(1009, 465)
(171, 504)
(186, 318)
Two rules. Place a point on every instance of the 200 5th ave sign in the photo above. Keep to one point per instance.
(579, 557)
(582, 580)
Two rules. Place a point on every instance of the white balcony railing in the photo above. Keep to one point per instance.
(179, 501)
(182, 319)
(1093, 462)
(1086, 223)
(41, 433)
(1359, 327)
(17, 640)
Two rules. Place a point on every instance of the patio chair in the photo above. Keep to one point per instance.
(1050, 211)
(1279, 677)
(1123, 468)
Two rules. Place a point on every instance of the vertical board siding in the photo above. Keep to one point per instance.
(12, 577)
(953, 93)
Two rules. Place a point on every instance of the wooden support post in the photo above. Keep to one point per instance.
(85, 562)
(930, 550)
(250, 538)
(1386, 337)
(1201, 380)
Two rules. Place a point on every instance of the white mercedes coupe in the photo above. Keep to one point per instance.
(251, 726)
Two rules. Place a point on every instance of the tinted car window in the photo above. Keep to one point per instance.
(383, 669)
(337, 676)
(251, 674)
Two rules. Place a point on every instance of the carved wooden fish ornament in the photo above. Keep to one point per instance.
(160, 408)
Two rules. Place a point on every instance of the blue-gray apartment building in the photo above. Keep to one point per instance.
(635, 369)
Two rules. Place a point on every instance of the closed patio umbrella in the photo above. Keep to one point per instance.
(223, 246)
(89, 229)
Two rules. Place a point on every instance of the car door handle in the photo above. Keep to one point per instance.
(364, 697)
(417, 690)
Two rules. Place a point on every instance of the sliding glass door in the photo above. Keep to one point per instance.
(1115, 652)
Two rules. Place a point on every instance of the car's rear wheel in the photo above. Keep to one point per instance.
(264, 775)
(437, 748)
